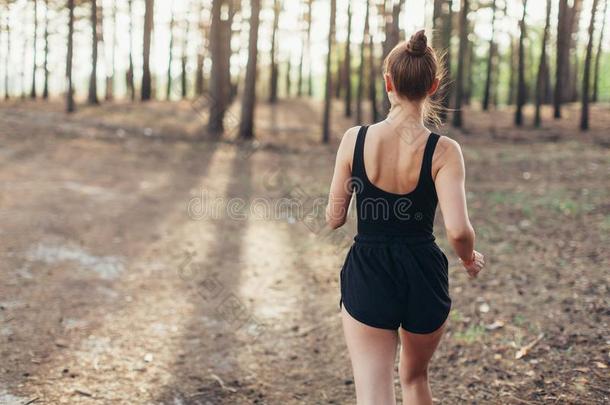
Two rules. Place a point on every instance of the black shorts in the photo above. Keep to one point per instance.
(387, 282)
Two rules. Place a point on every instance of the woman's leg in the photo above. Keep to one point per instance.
(373, 353)
(416, 350)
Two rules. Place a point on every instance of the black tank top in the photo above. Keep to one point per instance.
(383, 213)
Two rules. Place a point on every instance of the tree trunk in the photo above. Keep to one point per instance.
(130, 79)
(437, 24)
(468, 68)
(339, 74)
(360, 88)
(33, 91)
(24, 51)
(234, 7)
(548, 87)
(530, 76)
(288, 78)
(512, 76)
(572, 81)
(217, 90)
(184, 58)
(148, 25)
(199, 79)
(392, 39)
(110, 76)
(446, 30)
(45, 90)
(560, 57)
(220, 80)
(459, 80)
(373, 80)
(301, 67)
(170, 52)
(348, 64)
(246, 125)
(328, 90)
(566, 25)
(70, 106)
(92, 98)
(598, 55)
(309, 71)
(274, 68)
(7, 93)
(586, 77)
(572, 89)
(490, 58)
(199, 85)
(540, 83)
(510, 57)
(521, 70)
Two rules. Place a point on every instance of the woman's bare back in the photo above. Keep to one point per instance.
(393, 157)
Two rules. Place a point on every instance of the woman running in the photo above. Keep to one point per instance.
(394, 283)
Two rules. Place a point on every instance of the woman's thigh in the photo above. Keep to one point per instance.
(373, 354)
(417, 350)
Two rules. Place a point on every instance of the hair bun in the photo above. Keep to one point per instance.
(418, 44)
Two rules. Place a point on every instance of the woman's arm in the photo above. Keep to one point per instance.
(450, 188)
(340, 191)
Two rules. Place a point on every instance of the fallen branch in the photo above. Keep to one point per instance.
(525, 349)
(83, 392)
(307, 331)
(222, 384)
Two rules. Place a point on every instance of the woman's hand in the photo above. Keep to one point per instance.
(475, 265)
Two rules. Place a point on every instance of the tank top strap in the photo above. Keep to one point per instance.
(428, 154)
(358, 159)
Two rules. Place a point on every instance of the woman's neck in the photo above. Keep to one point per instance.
(406, 117)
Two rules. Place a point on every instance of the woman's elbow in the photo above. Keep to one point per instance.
(334, 222)
(462, 234)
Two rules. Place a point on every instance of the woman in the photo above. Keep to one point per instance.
(394, 283)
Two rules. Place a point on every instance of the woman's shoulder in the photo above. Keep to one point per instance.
(348, 141)
(351, 134)
(447, 149)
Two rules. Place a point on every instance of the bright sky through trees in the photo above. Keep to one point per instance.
(417, 14)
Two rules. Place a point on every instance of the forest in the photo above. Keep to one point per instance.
(212, 54)
(162, 163)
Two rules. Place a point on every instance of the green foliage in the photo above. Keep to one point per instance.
(518, 320)
(456, 315)
(472, 334)
(604, 77)
(554, 201)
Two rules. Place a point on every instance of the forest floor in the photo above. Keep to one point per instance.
(123, 280)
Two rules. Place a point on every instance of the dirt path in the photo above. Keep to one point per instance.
(147, 268)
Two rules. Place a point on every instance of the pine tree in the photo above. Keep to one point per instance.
(328, 89)
(586, 77)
